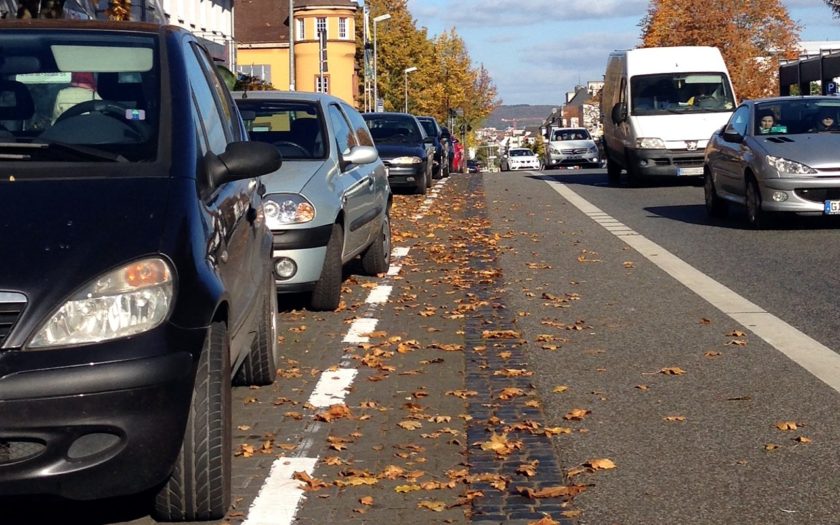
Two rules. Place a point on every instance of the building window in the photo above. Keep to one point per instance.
(261, 71)
(342, 29)
(321, 25)
(301, 28)
(322, 87)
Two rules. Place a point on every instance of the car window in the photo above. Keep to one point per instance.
(215, 128)
(740, 120)
(429, 126)
(222, 94)
(344, 137)
(359, 126)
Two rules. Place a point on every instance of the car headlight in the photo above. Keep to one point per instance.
(650, 143)
(789, 167)
(593, 150)
(406, 160)
(126, 301)
(282, 209)
(554, 149)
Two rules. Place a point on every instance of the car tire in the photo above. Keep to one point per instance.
(420, 188)
(429, 178)
(758, 218)
(260, 365)
(613, 171)
(327, 292)
(200, 485)
(377, 257)
(715, 206)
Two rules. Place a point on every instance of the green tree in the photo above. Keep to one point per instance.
(752, 36)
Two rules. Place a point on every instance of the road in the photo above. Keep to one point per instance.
(550, 347)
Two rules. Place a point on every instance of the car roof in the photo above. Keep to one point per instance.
(302, 96)
(95, 25)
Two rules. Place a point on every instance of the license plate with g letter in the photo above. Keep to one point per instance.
(832, 207)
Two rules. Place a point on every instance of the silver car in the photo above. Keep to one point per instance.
(330, 201)
(776, 155)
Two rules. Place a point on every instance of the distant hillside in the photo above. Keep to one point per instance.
(523, 114)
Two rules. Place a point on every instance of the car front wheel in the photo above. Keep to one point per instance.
(715, 206)
(200, 485)
(327, 292)
(377, 257)
(757, 217)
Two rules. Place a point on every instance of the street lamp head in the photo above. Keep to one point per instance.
(410, 69)
(380, 18)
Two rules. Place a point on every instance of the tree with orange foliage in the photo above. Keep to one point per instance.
(752, 36)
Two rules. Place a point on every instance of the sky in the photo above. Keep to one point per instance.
(537, 50)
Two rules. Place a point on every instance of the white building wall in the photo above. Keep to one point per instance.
(208, 19)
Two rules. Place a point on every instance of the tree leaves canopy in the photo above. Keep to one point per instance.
(752, 36)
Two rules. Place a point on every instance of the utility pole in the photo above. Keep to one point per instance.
(291, 45)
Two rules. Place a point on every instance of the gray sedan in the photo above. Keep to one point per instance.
(330, 201)
(776, 155)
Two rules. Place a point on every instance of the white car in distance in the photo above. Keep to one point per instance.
(520, 159)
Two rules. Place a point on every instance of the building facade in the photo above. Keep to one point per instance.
(263, 48)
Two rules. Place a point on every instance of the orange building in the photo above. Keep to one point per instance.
(261, 33)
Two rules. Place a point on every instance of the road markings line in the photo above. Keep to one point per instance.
(332, 387)
(821, 361)
(379, 294)
(358, 329)
(280, 495)
(393, 270)
(400, 251)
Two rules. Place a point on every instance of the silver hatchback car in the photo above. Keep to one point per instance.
(330, 202)
(776, 155)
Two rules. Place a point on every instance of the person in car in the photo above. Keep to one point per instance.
(826, 123)
(766, 121)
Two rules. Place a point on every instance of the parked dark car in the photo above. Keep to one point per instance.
(330, 202)
(442, 146)
(406, 149)
(473, 166)
(136, 283)
(776, 157)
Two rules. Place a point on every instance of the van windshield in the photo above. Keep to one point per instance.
(680, 93)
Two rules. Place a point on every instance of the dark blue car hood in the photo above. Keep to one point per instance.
(391, 151)
(58, 234)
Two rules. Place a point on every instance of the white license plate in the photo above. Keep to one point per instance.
(690, 171)
(832, 207)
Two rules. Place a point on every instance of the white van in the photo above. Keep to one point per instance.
(660, 106)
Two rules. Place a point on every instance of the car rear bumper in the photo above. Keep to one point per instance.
(94, 430)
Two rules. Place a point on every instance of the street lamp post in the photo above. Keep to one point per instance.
(291, 45)
(406, 71)
(376, 20)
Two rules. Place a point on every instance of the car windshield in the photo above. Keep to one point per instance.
(797, 116)
(393, 129)
(520, 153)
(429, 126)
(571, 134)
(680, 93)
(294, 128)
(78, 96)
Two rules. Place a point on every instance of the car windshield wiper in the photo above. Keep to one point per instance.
(27, 149)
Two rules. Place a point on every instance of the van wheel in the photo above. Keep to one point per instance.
(613, 171)
(377, 257)
(715, 206)
(327, 292)
(260, 365)
(200, 485)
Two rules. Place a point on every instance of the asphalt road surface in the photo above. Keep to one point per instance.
(550, 349)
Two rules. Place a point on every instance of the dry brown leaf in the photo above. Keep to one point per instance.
(674, 418)
(333, 412)
(437, 506)
(367, 500)
(551, 492)
(788, 425)
(672, 371)
(600, 464)
(410, 424)
(559, 389)
(577, 414)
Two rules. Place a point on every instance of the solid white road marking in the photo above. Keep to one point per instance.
(813, 356)
(393, 270)
(400, 251)
(379, 294)
(332, 387)
(357, 331)
(280, 495)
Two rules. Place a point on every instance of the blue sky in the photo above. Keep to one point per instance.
(537, 50)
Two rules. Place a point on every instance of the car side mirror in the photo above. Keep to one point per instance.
(360, 155)
(619, 113)
(242, 160)
(730, 135)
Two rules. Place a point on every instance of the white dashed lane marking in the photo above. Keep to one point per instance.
(359, 329)
(280, 495)
(332, 387)
(379, 295)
